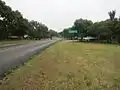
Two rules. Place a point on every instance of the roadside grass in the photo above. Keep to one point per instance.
(12, 41)
(8, 42)
(69, 66)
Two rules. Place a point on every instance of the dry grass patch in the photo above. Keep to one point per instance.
(69, 66)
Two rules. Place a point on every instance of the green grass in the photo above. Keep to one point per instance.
(8, 42)
(69, 66)
(12, 42)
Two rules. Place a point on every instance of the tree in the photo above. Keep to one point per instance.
(112, 14)
(100, 30)
(38, 30)
(117, 33)
(108, 30)
(5, 13)
(81, 25)
(66, 33)
(12, 23)
(18, 25)
(53, 33)
(92, 30)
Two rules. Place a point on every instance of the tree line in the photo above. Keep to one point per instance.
(104, 31)
(12, 23)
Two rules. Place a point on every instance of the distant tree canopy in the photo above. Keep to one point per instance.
(82, 25)
(53, 33)
(12, 23)
(108, 30)
(38, 30)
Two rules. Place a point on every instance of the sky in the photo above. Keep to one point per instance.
(60, 14)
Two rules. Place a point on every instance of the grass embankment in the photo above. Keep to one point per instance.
(12, 42)
(69, 66)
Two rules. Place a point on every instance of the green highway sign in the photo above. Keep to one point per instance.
(72, 31)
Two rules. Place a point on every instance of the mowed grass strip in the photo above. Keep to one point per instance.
(12, 42)
(69, 66)
(4, 44)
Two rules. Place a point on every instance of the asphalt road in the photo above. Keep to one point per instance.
(17, 55)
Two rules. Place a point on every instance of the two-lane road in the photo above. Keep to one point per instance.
(16, 55)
